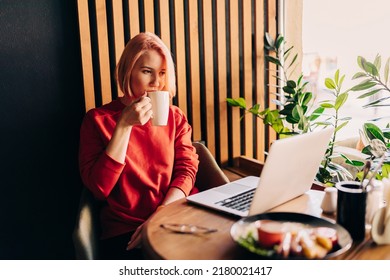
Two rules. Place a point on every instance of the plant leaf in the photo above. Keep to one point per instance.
(288, 89)
(306, 98)
(329, 83)
(326, 105)
(336, 76)
(299, 80)
(232, 102)
(361, 60)
(386, 134)
(364, 85)
(293, 60)
(367, 94)
(370, 68)
(239, 102)
(269, 41)
(288, 51)
(316, 113)
(340, 100)
(345, 119)
(341, 81)
(291, 84)
(349, 161)
(279, 41)
(373, 103)
(324, 123)
(385, 170)
(273, 60)
(373, 132)
(359, 75)
(387, 70)
(377, 62)
(255, 109)
(341, 126)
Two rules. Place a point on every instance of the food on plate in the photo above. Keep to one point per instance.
(327, 232)
(296, 239)
(270, 233)
(311, 249)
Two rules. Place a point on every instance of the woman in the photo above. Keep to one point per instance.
(132, 166)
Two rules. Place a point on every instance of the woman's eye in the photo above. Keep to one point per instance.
(146, 71)
(162, 73)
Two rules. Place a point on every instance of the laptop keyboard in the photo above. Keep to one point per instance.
(240, 202)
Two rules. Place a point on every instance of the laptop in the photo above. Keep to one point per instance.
(289, 171)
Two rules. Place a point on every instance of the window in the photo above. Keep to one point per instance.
(334, 34)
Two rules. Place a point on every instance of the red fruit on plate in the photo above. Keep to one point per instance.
(270, 233)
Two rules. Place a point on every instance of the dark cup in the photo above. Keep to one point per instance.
(351, 208)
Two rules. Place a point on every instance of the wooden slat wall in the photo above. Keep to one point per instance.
(272, 30)
(209, 72)
(260, 142)
(221, 43)
(235, 123)
(218, 49)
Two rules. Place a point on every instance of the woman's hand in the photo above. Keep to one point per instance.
(135, 240)
(138, 112)
(172, 195)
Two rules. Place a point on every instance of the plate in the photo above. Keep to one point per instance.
(243, 227)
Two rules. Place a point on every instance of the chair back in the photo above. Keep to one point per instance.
(87, 230)
(209, 173)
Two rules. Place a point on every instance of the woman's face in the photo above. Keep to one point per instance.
(148, 73)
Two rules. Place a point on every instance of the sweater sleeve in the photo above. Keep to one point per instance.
(186, 160)
(98, 170)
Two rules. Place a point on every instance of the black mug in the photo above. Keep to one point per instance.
(351, 208)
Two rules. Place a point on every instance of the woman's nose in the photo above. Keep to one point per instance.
(155, 81)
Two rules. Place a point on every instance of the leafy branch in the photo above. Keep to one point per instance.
(373, 83)
(329, 168)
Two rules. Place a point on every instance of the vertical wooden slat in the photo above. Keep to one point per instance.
(86, 54)
(165, 22)
(194, 62)
(259, 47)
(209, 73)
(247, 59)
(235, 77)
(133, 17)
(149, 15)
(222, 80)
(180, 56)
(104, 59)
(272, 30)
(119, 39)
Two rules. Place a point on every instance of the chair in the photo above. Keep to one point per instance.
(87, 230)
(209, 173)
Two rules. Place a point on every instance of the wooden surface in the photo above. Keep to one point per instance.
(159, 243)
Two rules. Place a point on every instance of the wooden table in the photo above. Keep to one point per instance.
(160, 243)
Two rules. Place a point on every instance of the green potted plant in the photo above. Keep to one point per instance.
(371, 84)
(294, 113)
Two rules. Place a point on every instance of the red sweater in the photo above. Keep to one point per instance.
(158, 157)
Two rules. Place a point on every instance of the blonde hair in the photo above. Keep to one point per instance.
(134, 49)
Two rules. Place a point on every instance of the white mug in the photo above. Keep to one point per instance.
(160, 107)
